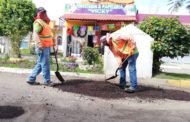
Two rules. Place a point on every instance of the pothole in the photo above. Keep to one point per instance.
(9, 112)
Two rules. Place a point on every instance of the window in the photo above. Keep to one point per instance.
(59, 40)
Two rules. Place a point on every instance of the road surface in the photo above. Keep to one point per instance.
(47, 104)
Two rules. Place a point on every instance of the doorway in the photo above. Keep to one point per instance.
(90, 41)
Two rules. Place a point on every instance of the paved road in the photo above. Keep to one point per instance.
(47, 104)
(176, 68)
(176, 65)
(184, 60)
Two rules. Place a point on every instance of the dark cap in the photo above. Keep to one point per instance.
(41, 9)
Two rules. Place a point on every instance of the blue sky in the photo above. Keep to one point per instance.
(55, 8)
(158, 6)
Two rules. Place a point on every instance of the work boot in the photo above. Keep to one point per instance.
(127, 84)
(49, 83)
(130, 90)
(32, 82)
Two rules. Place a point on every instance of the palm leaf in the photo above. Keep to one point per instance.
(175, 4)
(188, 5)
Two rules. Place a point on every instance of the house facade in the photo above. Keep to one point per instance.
(86, 22)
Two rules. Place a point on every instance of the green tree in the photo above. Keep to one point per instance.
(16, 18)
(172, 39)
(176, 4)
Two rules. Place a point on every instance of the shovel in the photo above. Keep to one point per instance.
(114, 76)
(57, 73)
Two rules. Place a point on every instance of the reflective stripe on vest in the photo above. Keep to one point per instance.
(115, 50)
(45, 36)
(125, 47)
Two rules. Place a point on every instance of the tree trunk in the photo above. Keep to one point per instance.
(15, 50)
(156, 64)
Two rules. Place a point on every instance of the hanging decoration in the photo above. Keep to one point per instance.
(96, 28)
(111, 26)
(83, 28)
(82, 32)
(75, 30)
(76, 27)
(70, 30)
(118, 25)
(104, 27)
(90, 28)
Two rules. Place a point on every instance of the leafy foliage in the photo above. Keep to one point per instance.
(171, 38)
(16, 18)
(91, 55)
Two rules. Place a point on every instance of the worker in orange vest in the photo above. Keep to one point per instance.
(42, 35)
(122, 47)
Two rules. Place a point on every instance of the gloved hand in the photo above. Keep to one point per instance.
(40, 48)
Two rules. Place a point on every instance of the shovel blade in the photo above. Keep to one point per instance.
(58, 75)
(112, 77)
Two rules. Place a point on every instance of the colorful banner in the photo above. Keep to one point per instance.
(76, 27)
(104, 27)
(118, 25)
(111, 26)
(90, 28)
(96, 28)
(83, 28)
(117, 9)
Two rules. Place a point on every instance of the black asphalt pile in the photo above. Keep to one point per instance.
(108, 90)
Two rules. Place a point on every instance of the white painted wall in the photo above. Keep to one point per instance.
(5, 45)
(145, 59)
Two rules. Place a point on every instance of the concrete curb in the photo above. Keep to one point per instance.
(28, 71)
(180, 83)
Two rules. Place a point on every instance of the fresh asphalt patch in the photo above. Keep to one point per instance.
(108, 90)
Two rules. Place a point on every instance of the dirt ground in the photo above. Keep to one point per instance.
(88, 100)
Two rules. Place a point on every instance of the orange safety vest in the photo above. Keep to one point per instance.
(123, 48)
(46, 36)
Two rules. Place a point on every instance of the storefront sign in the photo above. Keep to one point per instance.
(101, 9)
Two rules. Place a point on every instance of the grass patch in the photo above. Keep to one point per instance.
(28, 64)
(63, 68)
(17, 64)
(25, 51)
(173, 76)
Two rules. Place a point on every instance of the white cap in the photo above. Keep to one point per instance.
(102, 39)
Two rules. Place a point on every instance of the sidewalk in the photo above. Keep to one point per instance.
(153, 82)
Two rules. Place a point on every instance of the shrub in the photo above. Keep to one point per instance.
(171, 38)
(91, 55)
